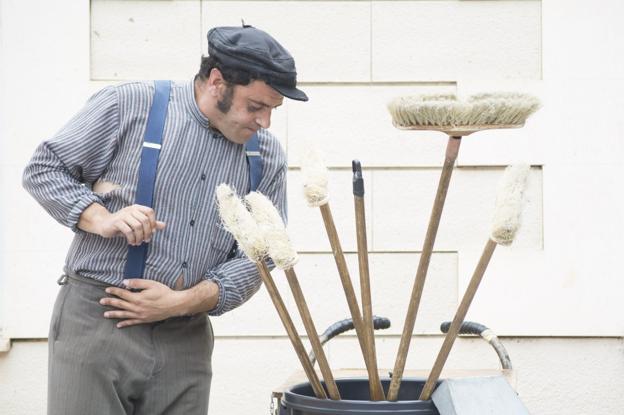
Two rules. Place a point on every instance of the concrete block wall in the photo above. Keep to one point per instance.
(555, 294)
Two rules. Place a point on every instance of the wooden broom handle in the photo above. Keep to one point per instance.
(458, 320)
(367, 307)
(308, 323)
(376, 389)
(452, 149)
(265, 274)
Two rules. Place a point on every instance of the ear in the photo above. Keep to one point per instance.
(215, 81)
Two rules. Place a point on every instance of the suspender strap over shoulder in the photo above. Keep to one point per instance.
(152, 142)
(252, 149)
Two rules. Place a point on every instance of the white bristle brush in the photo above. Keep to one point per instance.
(315, 178)
(238, 221)
(506, 222)
(489, 110)
(285, 257)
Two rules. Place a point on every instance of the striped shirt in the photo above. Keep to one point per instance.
(103, 142)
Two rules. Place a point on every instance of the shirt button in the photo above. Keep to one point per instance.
(192, 222)
(203, 176)
(184, 264)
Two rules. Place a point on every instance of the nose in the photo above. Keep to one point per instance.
(264, 119)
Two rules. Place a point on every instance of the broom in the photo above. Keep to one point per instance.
(360, 225)
(315, 190)
(505, 225)
(456, 118)
(239, 222)
(284, 256)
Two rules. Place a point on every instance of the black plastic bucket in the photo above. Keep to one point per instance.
(300, 400)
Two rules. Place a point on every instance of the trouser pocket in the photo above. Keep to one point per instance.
(57, 312)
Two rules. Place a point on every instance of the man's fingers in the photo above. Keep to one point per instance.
(160, 225)
(149, 212)
(125, 230)
(119, 314)
(119, 303)
(137, 229)
(145, 224)
(122, 293)
(131, 322)
(139, 283)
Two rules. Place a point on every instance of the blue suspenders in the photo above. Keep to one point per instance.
(152, 141)
(252, 149)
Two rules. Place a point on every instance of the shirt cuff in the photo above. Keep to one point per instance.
(74, 214)
(220, 307)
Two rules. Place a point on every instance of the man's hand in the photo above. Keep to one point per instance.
(136, 223)
(155, 302)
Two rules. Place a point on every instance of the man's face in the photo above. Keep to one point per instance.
(243, 109)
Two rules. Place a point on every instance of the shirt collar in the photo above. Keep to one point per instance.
(191, 104)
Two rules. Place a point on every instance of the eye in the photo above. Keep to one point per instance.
(252, 108)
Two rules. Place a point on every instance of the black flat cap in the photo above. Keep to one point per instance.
(256, 52)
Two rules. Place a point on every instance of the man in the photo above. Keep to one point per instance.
(120, 344)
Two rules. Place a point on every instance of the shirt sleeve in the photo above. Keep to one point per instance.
(62, 169)
(238, 279)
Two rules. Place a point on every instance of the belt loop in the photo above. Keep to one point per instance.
(62, 280)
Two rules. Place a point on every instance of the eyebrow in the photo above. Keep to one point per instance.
(262, 104)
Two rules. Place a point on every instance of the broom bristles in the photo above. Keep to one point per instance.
(273, 230)
(485, 109)
(315, 181)
(238, 221)
(509, 203)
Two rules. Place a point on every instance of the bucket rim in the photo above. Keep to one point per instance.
(311, 403)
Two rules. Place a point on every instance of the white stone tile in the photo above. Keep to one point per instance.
(23, 378)
(584, 125)
(403, 199)
(450, 40)
(469, 353)
(594, 53)
(57, 35)
(31, 282)
(545, 294)
(347, 122)
(326, 45)
(562, 362)
(145, 40)
(246, 371)
(392, 278)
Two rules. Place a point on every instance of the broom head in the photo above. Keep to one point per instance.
(458, 117)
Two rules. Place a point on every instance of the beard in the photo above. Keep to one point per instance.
(225, 103)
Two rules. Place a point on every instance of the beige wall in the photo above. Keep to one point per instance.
(556, 294)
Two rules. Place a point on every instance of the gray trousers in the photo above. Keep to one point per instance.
(96, 368)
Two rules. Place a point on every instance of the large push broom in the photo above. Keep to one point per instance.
(457, 119)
